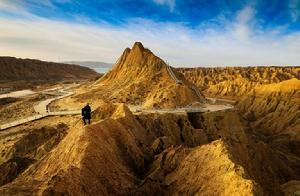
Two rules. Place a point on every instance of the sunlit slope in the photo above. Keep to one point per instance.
(141, 78)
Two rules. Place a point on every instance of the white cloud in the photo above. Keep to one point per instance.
(242, 25)
(17, 8)
(62, 41)
(11, 6)
(246, 14)
(170, 3)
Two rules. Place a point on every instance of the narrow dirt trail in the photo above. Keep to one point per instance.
(203, 108)
(173, 76)
(41, 109)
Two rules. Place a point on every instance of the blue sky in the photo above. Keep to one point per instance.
(183, 32)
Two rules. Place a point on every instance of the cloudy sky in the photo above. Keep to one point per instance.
(183, 32)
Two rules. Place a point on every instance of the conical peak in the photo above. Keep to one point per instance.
(138, 57)
(123, 57)
(126, 51)
(138, 45)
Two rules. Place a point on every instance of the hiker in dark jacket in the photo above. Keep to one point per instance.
(86, 114)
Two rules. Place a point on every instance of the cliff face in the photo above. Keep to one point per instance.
(269, 103)
(236, 81)
(141, 78)
(14, 69)
(268, 96)
(273, 108)
(273, 113)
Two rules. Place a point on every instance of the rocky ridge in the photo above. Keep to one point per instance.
(141, 78)
(273, 108)
(146, 154)
(235, 82)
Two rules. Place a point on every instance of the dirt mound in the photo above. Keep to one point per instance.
(273, 108)
(237, 81)
(141, 78)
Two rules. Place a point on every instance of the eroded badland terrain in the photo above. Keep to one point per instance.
(252, 148)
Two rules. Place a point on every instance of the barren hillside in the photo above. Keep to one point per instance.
(141, 78)
(126, 154)
(236, 81)
(25, 71)
(273, 108)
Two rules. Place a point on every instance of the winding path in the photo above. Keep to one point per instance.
(205, 108)
(41, 110)
(171, 73)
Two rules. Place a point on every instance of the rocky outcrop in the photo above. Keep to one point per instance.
(273, 108)
(141, 78)
(203, 170)
(126, 154)
(236, 81)
(108, 157)
(33, 146)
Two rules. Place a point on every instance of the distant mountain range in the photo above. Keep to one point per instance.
(100, 67)
(14, 69)
(17, 73)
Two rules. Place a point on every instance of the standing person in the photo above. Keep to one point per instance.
(86, 114)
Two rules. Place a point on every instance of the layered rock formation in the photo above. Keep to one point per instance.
(141, 78)
(237, 81)
(18, 154)
(273, 108)
(273, 113)
(108, 157)
(126, 154)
